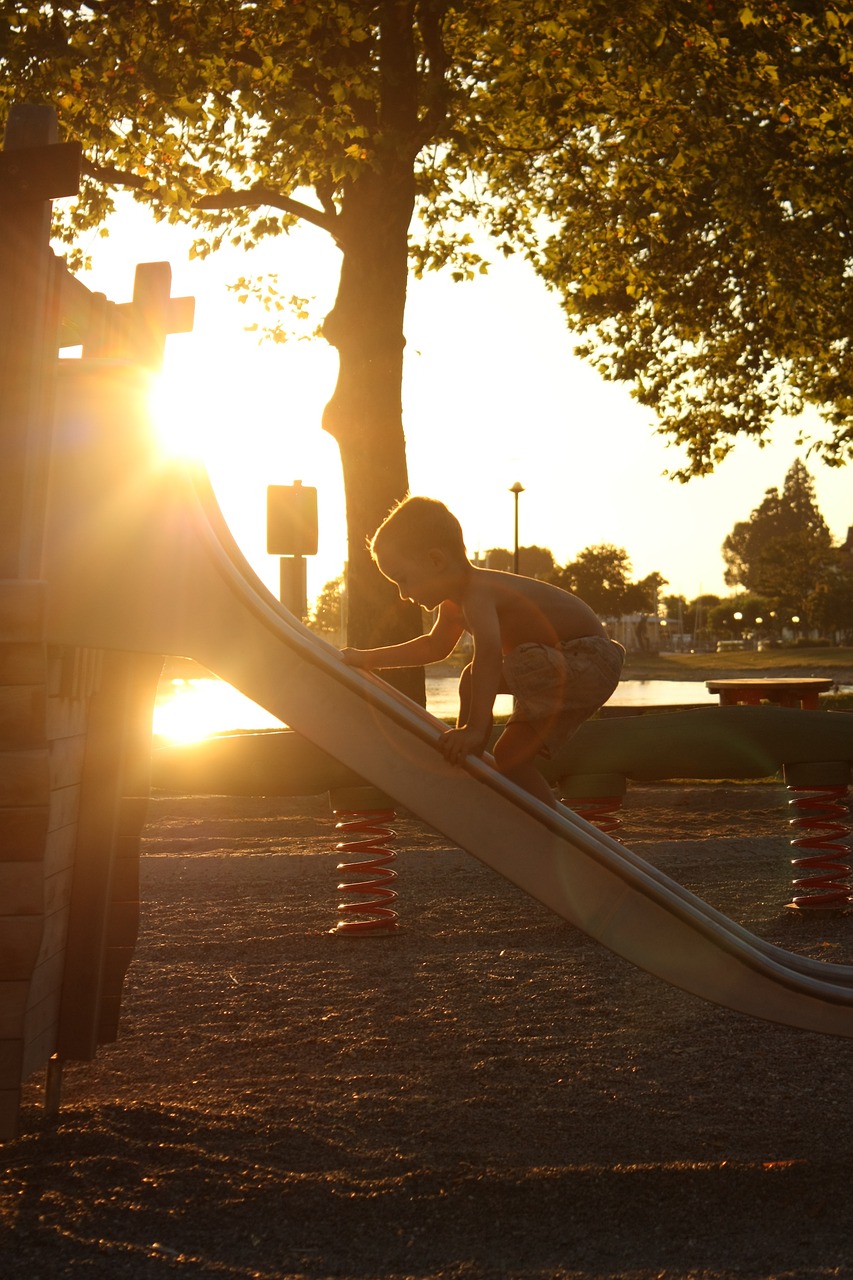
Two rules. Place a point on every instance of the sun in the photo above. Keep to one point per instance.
(179, 414)
(193, 709)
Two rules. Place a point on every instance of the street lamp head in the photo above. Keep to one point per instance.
(516, 488)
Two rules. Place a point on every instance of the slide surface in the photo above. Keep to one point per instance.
(139, 558)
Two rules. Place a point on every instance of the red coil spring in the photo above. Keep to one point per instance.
(601, 811)
(366, 833)
(823, 818)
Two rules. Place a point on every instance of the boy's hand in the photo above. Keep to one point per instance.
(456, 744)
(355, 657)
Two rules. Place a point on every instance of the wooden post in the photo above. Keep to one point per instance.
(34, 168)
(153, 314)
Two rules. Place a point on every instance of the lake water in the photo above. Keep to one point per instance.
(190, 709)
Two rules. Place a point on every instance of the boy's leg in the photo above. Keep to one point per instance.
(515, 756)
(464, 696)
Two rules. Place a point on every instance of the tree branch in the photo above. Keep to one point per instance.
(112, 176)
(326, 219)
(252, 197)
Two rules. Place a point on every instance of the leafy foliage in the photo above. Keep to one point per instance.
(784, 553)
(720, 287)
(600, 575)
(533, 562)
(783, 549)
(327, 611)
(597, 139)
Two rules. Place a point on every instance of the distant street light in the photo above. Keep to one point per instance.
(516, 489)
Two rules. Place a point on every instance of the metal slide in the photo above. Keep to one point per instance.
(139, 558)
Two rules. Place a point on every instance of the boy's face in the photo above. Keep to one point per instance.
(420, 578)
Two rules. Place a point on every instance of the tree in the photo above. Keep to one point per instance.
(745, 612)
(327, 614)
(719, 290)
(600, 576)
(830, 605)
(643, 596)
(784, 547)
(533, 562)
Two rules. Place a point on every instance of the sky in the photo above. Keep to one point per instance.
(492, 395)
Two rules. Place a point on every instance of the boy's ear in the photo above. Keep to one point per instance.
(437, 558)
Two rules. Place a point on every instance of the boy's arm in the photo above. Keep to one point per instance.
(438, 643)
(486, 669)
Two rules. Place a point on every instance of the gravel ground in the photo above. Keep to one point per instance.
(485, 1094)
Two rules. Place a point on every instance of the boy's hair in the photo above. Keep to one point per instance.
(417, 524)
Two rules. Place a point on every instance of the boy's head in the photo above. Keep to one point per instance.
(417, 525)
(417, 546)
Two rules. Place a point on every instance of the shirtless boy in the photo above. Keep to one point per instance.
(530, 638)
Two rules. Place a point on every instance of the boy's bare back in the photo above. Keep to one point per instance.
(528, 611)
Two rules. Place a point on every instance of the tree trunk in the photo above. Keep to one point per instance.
(365, 414)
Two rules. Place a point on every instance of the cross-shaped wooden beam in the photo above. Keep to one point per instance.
(153, 314)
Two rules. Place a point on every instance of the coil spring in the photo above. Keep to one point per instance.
(366, 832)
(823, 818)
(601, 811)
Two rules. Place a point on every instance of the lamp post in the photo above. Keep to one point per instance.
(515, 490)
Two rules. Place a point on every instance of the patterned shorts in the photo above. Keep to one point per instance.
(557, 687)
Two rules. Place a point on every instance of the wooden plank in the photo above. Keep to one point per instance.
(38, 1050)
(153, 314)
(14, 998)
(117, 961)
(42, 1017)
(10, 1105)
(24, 778)
(66, 717)
(66, 761)
(41, 173)
(54, 935)
(11, 1062)
(46, 980)
(20, 944)
(25, 889)
(97, 823)
(23, 833)
(64, 807)
(22, 888)
(126, 879)
(133, 815)
(23, 662)
(23, 716)
(27, 353)
(109, 1016)
(56, 891)
(59, 849)
(73, 672)
(77, 307)
(123, 924)
(22, 606)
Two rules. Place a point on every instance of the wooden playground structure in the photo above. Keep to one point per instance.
(75, 724)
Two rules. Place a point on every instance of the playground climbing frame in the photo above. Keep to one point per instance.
(74, 723)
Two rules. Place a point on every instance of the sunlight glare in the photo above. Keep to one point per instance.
(189, 710)
(177, 414)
